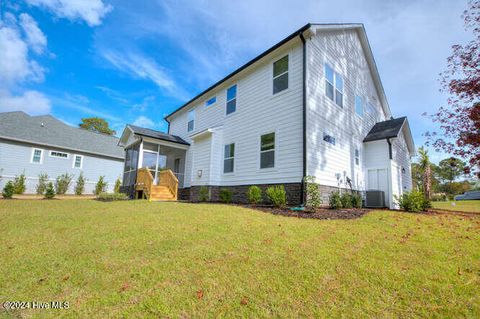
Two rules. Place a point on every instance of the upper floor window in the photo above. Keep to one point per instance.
(228, 158)
(328, 138)
(267, 150)
(37, 156)
(333, 85)
(280, 75)
(211, 101)
(77, 161)
(358, 105)
(371, 108)
(232, 99)
(191, 121)
(357, 157)
(59, 154)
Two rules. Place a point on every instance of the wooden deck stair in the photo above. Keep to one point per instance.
(161, 192)
(166, 190)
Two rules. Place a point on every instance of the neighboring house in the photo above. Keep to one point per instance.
(43, 144)
(313, 104)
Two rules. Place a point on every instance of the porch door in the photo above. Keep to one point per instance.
(378, 180)
(150, 161)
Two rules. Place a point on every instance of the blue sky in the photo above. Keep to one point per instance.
(135, 61)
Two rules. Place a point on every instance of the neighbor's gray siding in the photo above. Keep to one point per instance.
(15, 158)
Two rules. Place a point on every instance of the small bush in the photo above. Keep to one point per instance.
(225, 195)
(277, 195)
(439, 198)
(314, 199)
(356, 200)
(100, 186)
(49, 191)
(118, 183)
(334, 201)
(254, 195)
(42, 183)
(8, 190)
(346, 200)
(62, 183)
(80, 184)
(203, 194)
(19, 184)
(413, 201)
(110, 197)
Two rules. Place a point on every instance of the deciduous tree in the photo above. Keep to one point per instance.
(96, 124)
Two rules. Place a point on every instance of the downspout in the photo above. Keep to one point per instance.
(389, 149)
(304, 116)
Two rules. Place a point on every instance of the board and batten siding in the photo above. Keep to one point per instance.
(343, 52)
(15, 158)
(258, 112)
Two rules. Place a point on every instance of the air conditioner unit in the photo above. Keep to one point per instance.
(375, 199)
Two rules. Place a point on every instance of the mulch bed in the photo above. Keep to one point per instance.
(320, 213)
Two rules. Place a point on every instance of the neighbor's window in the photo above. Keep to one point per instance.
(59, 154)
(228, 158)
(232, 99)
(333, 85)
(267, 150)
(280, 75)
(191, 121)
(37, 156)
(77, 161)
(357, 157)
(359, 105)
(211, 101)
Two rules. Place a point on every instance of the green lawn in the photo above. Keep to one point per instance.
(472, 206)
(140, 259)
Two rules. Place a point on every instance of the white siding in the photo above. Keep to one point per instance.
(343, 51)
(258, 112)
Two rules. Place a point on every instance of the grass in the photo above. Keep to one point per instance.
(142, 259)
(471, 206)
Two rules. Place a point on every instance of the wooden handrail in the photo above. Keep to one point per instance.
(167, 178)
(144, 182)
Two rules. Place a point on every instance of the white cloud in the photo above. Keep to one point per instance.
(82, 103)
(35, 37)
(91, 11)
(143, 121)
(140, 66)
(31, 102)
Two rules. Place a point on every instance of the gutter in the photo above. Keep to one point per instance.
(304, 116)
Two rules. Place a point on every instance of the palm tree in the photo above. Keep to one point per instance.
(425, 166)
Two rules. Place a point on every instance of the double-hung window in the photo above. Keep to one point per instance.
(359, 105)
(191, 121)
(280, 75)
(267, 150)
(357, 157)
(333, 85)
(37, 156)
(228, 158)
(77, 161)
(231, 99)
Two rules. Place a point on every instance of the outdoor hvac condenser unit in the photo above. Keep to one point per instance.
(375, 199)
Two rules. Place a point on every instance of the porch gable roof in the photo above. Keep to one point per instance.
(142, 131)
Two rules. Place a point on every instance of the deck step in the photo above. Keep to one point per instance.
(160, 192)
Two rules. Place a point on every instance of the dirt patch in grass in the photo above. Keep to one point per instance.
(319, 213)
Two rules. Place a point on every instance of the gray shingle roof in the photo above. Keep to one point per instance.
(49, 131)
(157, 134)
(385, 129)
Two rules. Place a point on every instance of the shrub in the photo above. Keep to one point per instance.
(346, 200)
(8, 190)
(42, 183)
(277, 195)
(80, 184)
(62, 183)
(100, 186)
(118, 183)
(439, 198)
(334, 201)
(356, 200)
(313, 199)
(109, 197)
(254, 195)
(19, 185)
(49, 191)
(225, 195)
(413, 201)
(203, 194)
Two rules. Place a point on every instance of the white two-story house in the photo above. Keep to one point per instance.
(312, 105)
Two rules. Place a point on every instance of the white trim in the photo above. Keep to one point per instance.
(59, 152)
(235, 98)
(228, 158)
(286, 72)
(275, 151)
(33, 153)
(334, 85)
(75, 159)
